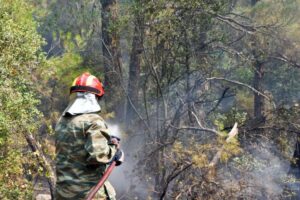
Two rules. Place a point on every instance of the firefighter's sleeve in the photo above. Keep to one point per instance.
(97, 144)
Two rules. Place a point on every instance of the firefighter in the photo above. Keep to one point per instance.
(84, 146)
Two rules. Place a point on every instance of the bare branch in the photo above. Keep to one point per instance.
(243, 84)
(236, 25)
(172, 177)
(196, 129)
(197, 120)
(287, 60)
(219, 101)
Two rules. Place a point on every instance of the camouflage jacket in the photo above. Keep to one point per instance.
(82, 154)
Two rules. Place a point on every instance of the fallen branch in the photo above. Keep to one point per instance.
(213, 163)
(43, 161)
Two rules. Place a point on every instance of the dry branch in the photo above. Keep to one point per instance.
(42, 159)
(213, 163)
(173, 175)
(236, 25)
(243, 84)
(287, 60)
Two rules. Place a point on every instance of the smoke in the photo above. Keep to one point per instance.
(258, 173)
(261, 172)
(270, 174)
(116, 131)
(127, 184)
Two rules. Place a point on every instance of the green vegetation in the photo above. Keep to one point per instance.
(19, 58)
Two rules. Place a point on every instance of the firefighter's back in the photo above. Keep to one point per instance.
(75, 176)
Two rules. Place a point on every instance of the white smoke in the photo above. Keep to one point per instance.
(262, 171)
(115, 130)
(123, 178)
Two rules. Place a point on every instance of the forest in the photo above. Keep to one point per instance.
(204, 94)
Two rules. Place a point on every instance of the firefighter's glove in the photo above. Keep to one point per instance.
(119, 157)
(115, 141)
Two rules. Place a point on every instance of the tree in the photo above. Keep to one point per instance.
(19, 57)
(135, 63)
(112, 57)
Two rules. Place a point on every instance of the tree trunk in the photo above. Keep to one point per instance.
(253, 2)
(295, 164)
(258, 85)
(188, 79)
(112, 58)
(257, 78)
(134, 71)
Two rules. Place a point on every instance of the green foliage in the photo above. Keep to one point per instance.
(19, 56)
(197, 154)
(227, 120)
(244, 102)
(13, 185)
(250, 163)
(230, 150)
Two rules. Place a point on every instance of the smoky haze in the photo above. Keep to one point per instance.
(127, 183)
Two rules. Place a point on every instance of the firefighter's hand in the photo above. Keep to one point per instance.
(115, 142)
(119, 157)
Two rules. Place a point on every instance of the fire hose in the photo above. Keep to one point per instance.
(115, 162)
(101, 182)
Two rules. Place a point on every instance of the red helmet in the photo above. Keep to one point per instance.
(87, 83)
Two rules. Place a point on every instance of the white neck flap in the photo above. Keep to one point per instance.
(84, 102)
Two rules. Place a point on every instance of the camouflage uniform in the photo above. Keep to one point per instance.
(82, 154)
